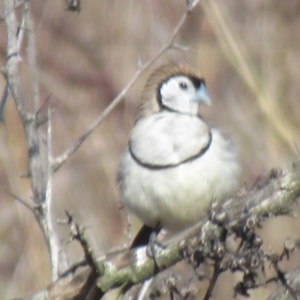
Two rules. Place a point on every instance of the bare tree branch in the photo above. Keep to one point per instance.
(41, 177)
(20, 36)
(57, 264)
(29, 207)
(28, 119)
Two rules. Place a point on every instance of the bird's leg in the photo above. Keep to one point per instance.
(142, 238)
(147, 236)
(153, 242)
(154, 245)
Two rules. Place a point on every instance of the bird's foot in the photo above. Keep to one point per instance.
(154, 248)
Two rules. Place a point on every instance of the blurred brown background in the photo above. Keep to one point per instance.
(249, 54)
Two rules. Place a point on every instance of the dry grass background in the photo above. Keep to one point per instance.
(249, 54)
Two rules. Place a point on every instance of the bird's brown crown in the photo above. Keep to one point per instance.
(150, 102)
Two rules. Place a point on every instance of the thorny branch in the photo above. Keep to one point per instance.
(78, 234)
(238, 216)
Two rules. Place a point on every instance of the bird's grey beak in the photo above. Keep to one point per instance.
(202, 95)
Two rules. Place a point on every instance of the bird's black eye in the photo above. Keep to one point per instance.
(183, 85)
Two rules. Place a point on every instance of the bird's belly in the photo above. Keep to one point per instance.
(178, 197)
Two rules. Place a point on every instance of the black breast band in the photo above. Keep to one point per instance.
(157, 167)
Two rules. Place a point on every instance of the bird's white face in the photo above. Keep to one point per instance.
(180, 93)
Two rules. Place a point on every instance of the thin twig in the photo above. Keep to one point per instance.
(60, 160)
(78, 234)
(45, 102)
(23, 202)
(144, 289)
(73, 268)
(216, 274)
(3, 101)
(183, 48)
(56, 264)
(20, 37)
(33, 69)
(282, 279)
(3, 16)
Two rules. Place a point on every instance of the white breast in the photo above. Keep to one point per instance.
(177, 197)
(168, 138)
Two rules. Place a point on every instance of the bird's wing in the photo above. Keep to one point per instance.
(168, 139)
